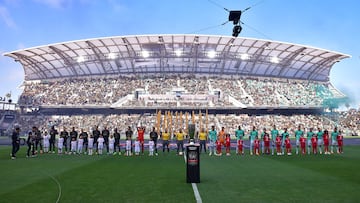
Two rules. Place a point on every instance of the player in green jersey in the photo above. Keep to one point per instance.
(239, 134)
(274, 134)
(320, 141)
(212, 139)
(252, 136)
(334, 143)
(283, 137)
(309, 135)
(298, 134)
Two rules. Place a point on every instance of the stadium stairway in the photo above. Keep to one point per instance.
(122, 101)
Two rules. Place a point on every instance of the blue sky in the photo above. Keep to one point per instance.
(330, 24)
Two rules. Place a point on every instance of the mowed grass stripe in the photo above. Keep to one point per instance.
(277, 179)
(25, 171)
(111, 179)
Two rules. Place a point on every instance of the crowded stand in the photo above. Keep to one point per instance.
(168, 91)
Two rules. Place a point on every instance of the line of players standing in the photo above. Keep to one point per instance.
(77, 143)
(82, 142)
(312, 143)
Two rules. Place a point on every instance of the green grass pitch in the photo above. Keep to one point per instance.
(82, 178)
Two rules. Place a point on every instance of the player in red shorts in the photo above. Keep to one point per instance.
(218, 147)
(302, 144)
(326, 142)
(278, 145)
(227, 144)
(267, 143)
(240, 144)
(256, 146)
(340, 142)
(314, 144)
(288, 145)
(141, 132)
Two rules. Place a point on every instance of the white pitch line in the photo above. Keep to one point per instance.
(59, 186)
(195, 189)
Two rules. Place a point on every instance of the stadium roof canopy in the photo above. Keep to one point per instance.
(163, 54)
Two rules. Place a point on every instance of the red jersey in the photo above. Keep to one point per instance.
(218, 143)
(326, 139)
(240, 142)
(278, 141)
(256, 143)
(218, 146)
(227, 141)
(141, 132)
(302, 142)
(340, 140)
(266, 140)
(287, 143)
(314, 141)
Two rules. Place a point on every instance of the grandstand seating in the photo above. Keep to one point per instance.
(175, 91)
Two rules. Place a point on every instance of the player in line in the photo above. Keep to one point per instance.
(239, 134)
(274, 134)
(253, 135)
(212, 140)
(298, 134)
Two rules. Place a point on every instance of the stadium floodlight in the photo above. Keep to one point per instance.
(178, 53)
(145, 54)
(112, 56)
(235, 16)
(274, 59)
(80, 59)
(244, 57)
(211, 54)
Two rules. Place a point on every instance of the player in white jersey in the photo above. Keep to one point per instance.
(80, 145)
(128, 147)
(46, 140)
(73, 147)
(100, 142)
(137, 146)
(111, 144)
(60, 145)
(151, 147)
(90, 145)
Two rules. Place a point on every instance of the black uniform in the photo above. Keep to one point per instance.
(64, 134)
(96, 134)
(105, 133)
(74, 135)
(30, 142)
(15, 142)
(129, 133)
(154, 137)
(38, 139)
(117, 140)
(85, 135)
(53, 133)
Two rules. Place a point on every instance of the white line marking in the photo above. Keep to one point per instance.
(196, 193)
(195, 189)
(59, 186)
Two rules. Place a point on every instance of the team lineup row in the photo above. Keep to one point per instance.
(274, 141)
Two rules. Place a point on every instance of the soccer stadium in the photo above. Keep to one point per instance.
(173, 82)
